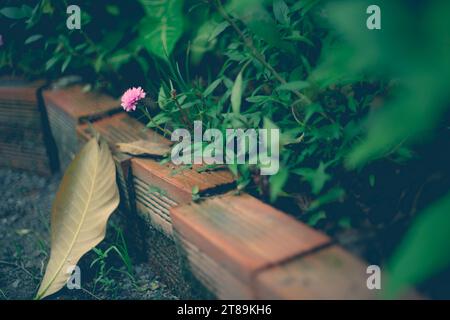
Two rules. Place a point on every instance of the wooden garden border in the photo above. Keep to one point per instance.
(227, 246)
(25, 139)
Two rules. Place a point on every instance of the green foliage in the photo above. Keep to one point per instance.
(16, 12)
(424, 250)
(162, 26)
(105, 269)
(413, 49)
(236, 94)
(418, 61)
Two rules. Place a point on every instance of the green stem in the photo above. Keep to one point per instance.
(182, 111)
(156, 125)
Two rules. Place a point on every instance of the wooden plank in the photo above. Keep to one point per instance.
(81, 105)
(330, 273)
(212, 277)
(159, 187)
(180, 181)
(23, 142)
(122, 128)
(116, 129)
(242, 235)
(68, 107)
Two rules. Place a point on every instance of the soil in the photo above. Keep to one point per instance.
(25, 204)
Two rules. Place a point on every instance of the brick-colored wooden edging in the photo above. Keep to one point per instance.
(241, 248)
(119, 128)
(148, 190)
(69, 107)
(159, 187)
(225, 246)
(236, 246)
(25, 139)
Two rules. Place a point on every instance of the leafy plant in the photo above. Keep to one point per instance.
(104, 275)
(162, 26)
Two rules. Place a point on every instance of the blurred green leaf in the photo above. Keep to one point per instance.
(236, 94)
(33, 38)
(316, 217)
(17, 12)
(332, 195)
(51, 62)
(294, 85)
(66, 64)
(424, 249)
(372, 180)
(113, 10)
(254, 14)
(281, 12)
(218, 29)
(315, 177)
(212, 87)
(277, 182)
(162, 98)
(162, 26)
(420, 97)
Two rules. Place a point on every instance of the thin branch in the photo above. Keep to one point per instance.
(182, 111)
(155, 124)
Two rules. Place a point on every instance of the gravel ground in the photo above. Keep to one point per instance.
(25, 204)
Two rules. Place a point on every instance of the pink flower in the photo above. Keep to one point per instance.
(131, 97)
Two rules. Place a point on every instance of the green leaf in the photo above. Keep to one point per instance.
(113, 10)
(212, 87)
(311, 110)
(17, 13)
(258, 99)
(333, 195)
(33, 38)
(269, 124)
(316, 178)
(162, 26)
(218, 29)
(425, 246)
(281, 12)
(203, 41)
(162, 98)
(316, 217)
(66, 63)
(159, 119)
(117, 60)
(236, 94)
(345, 222)
(296, 36)
(372, 180)
(258, 20)
(50, 63)
(277, 182)
(295, 85)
